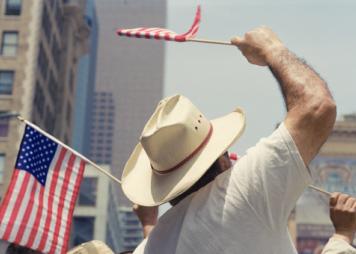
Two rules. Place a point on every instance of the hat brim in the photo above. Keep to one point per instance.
(144, 187)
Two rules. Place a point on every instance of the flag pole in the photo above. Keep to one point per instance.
(210, 41)
(70, 149)
(320, 190)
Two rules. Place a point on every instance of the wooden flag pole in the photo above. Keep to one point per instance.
(320, 190)
(211, 41)
(70, 149)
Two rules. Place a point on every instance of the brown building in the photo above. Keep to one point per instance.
(40, 43)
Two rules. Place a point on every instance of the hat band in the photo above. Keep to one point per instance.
(163, 172)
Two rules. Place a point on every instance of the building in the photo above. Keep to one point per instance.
(102, 128)
(334, 169)
(85, 85)
(130, 227)
(130, 69)
(41, 42)
(96, 213)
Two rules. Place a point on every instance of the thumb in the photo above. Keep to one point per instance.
(237, 40)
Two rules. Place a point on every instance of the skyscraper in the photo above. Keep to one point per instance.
(85, 86)
(132, 70)
(41, 42)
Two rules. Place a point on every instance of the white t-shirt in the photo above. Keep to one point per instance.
(243, 211)
(336, 245)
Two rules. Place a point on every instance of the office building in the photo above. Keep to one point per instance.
(85, 85)
(96, 213)
(41, 42)
(130, 69)
(130, 228)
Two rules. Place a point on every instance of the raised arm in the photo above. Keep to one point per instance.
(311, 110)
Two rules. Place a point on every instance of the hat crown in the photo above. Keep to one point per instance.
(174, 131)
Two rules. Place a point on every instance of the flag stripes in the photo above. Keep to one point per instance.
(162, 33)
(38, 216)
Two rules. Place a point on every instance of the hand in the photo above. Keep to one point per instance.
(147, 216)
(343, 215)
(258, 45)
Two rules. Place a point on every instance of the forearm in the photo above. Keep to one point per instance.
(301, 86)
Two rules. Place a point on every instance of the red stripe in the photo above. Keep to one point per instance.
(67, 176)
(51, 195)
(8, 195)
(17, 205)
(35, 226)
(27, 213)
(72, 205)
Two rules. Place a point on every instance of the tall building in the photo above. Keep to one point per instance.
(130, 228)
(96, 214)
(131, 70)
(102, 128)
(41, 42)
(85, 86)
(334, 169)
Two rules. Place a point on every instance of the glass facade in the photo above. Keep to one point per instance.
(13, 7)
(6, 81)
(83, 230)
(9, 43)
(88, 190)
(4, 126)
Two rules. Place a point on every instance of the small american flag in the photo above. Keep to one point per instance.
(37, 209)
(162, 33)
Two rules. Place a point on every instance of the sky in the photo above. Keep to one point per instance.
(218, 78)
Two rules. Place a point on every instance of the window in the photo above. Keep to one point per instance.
(4, 127)
(6, 82)
(83, 229)
(9, 43)
(88, 190)
(2, 166)
(13, 7)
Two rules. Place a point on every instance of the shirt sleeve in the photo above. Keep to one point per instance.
(270, 178)
(338, 246)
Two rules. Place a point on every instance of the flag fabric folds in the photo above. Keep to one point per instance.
(162, 33)
(37, 209)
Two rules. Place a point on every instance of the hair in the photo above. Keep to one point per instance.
(17, 249)
(213, 171)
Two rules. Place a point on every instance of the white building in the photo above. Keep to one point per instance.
(96, 213)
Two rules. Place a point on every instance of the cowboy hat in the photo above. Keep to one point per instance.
(177, 146)
(92, 247)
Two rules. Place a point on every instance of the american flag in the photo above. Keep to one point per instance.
(37, 209)
(162, 33)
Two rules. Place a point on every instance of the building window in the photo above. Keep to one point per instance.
(88, 190)
(4, 127)
(83, 229)
(9, 43)
(13, 7)
(2, 166)
(6, 82)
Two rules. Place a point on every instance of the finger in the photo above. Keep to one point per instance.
(342, 199)
(237, 40)
(349, 203)
(333, 198)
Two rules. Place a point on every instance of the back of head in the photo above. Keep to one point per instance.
(17, 249)
(92, 247)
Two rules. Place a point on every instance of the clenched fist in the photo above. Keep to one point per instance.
(259, 45)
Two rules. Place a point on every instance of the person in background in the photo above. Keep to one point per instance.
(18, 249)
(343, 217)
(91, 247)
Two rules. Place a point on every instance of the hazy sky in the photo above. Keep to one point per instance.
(218, 78)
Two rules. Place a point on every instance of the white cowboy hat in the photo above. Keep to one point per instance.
(177, 146)
(92, 247)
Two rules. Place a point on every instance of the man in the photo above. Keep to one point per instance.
(243, 209)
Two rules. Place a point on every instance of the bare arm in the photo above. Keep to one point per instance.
(311, 110)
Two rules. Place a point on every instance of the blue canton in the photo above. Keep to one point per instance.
(36, 154)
